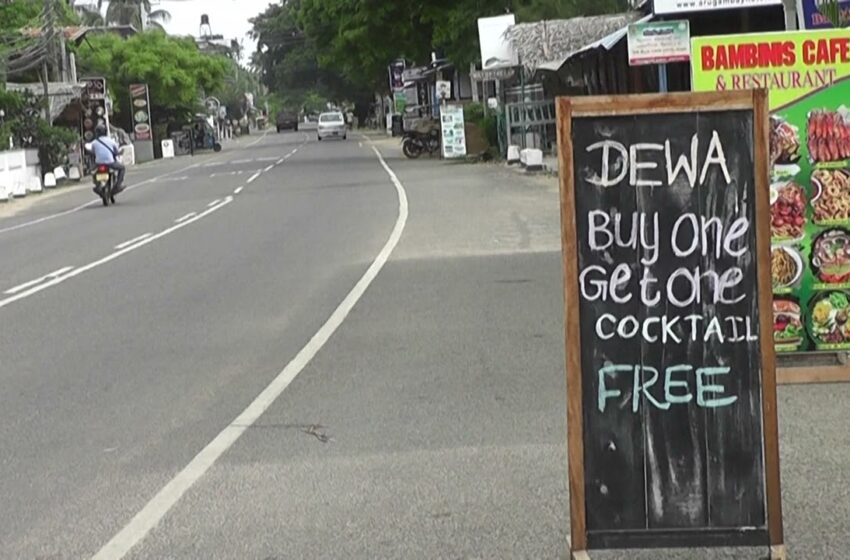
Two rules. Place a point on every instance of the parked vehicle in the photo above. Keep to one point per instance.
(332, 125)
(287, 120)
(414, 143)
(204, 135)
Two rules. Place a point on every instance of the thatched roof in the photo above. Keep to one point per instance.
(554, 40)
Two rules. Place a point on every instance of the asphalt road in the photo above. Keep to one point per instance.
(323, 362)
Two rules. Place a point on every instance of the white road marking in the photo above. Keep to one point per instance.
(239, 161)
(170, 179)
(254, 176)
(265, 158)
(281, 160)
(258, 140)
(26, 285)
(238, 190)
(76, 272)
(134, 240)
(94, 202)
(183, 218)
(214, 163)
(214, 202)
(269, 168)
(158, 507)
(360, 144)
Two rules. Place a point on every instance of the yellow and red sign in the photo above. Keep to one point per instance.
(790, 65)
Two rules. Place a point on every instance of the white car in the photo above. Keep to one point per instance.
(332, 125)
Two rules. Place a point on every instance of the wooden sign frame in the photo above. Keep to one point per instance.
(603, 106)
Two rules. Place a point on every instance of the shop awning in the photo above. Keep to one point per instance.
(59, 94)
(606, 43)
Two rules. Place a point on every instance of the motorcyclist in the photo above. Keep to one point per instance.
(106, 153)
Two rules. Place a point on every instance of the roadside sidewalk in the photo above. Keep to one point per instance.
(15, 206)
(483, 226)
(476, 208)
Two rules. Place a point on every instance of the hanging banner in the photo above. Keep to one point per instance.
(659, 42)
(140, 102)
(454, 136)
(811, 17)
(806, 74)
(396, 74)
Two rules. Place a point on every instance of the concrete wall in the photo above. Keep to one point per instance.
(19, 173)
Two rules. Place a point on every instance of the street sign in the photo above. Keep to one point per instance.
(672, 427)
(453, 131)
(444, 90)
(141, 112)
(659, 42)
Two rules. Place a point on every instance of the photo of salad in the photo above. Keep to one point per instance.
(830, 319)
(831, 256)
(787, 326)
(784, 142)
(787, 210)
(786, 267)
(831, 198)
(829, 135)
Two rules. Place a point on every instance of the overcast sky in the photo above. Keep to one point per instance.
(227, 17)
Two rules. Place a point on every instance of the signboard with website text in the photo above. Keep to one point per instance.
(807, 75)
(454, 135)
(666, 259)
(659, 42)
(683, 6)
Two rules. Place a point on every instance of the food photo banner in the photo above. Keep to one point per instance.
(806, 74)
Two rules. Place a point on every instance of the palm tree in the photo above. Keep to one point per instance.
(89, 14)
(129, 12)
(121, 12)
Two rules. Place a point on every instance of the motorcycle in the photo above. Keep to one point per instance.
(423, 137)
(414, 143)
(104, 183)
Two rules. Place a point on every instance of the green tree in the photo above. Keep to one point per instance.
(359, 39)
(176, 72)
(287, 58)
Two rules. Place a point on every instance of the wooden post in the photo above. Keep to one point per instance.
(572, 336)
(768, 354)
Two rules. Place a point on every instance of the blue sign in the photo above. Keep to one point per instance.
(812, 18)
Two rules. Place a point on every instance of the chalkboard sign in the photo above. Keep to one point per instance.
(672, 427)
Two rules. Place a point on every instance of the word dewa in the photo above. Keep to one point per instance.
(618, 161)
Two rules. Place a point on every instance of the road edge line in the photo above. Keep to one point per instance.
(153, 512)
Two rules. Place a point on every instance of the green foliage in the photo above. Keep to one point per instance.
(18, 14)
(53, 143)
(24, 124)
(174, 69)
(288, 59)
(359, 39)
(474, 113)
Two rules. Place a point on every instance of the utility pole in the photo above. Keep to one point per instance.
(790, 9)
(45, 76)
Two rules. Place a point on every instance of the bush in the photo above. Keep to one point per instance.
(28, 130)
(474, 113)
(53, 143)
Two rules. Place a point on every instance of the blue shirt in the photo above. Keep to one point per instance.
(104, 149)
